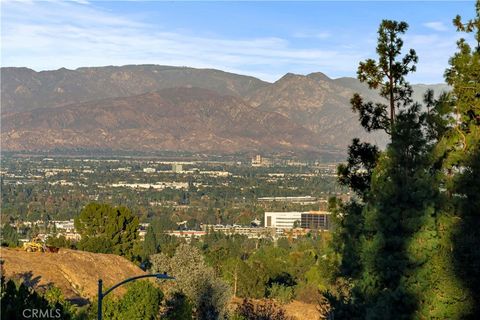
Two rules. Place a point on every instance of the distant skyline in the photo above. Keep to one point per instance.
(261, 39)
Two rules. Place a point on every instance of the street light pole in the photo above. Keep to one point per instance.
(100, 298)
(102, 294)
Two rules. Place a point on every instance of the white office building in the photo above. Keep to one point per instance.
(282, 220)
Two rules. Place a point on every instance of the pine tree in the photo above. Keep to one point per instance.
(462, 164)
(107, 229)
(150, 243)
(405, 222)
(387, 75)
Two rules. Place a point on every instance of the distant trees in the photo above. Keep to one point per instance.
(157, 240)
(9, 236)
(60, 242)
(107, 229)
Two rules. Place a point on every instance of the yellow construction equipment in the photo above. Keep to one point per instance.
(36, 245)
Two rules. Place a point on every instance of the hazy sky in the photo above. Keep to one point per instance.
(263, 39)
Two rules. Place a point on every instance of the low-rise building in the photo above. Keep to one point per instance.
(250, 232)
(299, 199)
(66, 225)
(316, 220)
(283, 220)
(313, 220)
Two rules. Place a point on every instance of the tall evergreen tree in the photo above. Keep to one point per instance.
(406, 223)
(462, 149)
(387, 75)
(402, 198)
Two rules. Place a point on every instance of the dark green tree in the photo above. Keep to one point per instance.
(107, 229)
(387, 76)
(150, 243)
(421, 201)
(15, 298)
(462, 164)
(402, 198)
(9, 236)
(141, 301)
(177, 307)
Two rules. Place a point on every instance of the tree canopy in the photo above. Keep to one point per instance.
(107, 229)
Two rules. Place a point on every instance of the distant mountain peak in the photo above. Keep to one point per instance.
(290, 76)
(318, 76)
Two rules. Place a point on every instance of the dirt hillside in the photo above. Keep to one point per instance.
(75, 272)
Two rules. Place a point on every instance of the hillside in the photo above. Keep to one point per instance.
(75, 272)
(73, 109)
(190, 119)
(317, 103)
(322, 105)
(24, 89)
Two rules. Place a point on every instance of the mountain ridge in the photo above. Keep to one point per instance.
(315, 110)
(193, 118)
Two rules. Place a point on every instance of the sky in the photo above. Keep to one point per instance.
(261, 39)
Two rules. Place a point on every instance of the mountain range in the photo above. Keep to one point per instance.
(162, 108)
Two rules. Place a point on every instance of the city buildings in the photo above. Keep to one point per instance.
(283, 220)
(314, 220)
(300, 199)
(250, 232)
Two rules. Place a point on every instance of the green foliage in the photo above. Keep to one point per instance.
(356, 174)
(177, 307)
(107, 229)
(462, 164)
(408, 249)
(9, 236)
(14, 299)
(402, 196)
(283, 294)
(60, 242)
(156, 240)
(140, 302)
(208, 294)
(150, 243)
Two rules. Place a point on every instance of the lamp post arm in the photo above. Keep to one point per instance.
(158, 276)
(102, 295)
